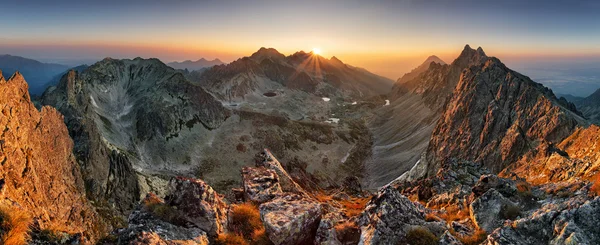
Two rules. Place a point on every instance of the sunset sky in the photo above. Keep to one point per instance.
(386, 37)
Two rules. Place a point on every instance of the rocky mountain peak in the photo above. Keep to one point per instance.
(470, 56)
(1, 77)
(266, 53)
(495, 115)
(335, 60)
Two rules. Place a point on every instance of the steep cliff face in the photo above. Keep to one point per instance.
(122, 115)
(496, 115)
(38, 171)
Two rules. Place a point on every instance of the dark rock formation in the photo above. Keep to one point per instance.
(38, 171)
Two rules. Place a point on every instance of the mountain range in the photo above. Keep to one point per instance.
(301, 149)
(38, 74)
(195, 65)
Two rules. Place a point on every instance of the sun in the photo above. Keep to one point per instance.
(316, 51)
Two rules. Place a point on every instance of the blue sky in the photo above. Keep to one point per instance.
(388, 37)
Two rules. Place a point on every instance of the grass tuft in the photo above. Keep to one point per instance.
(14, 225)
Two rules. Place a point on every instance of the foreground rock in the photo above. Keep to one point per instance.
(572, 222)
(390, 217)
(152, 223)
(201, 205)
(38, 171)
(291, 219)
(489, 210)
(260, 184)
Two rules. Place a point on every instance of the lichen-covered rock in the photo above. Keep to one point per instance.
(260, 184)
(487, 211)
(291, 219)
(389, 216)
(326, 234)
(37, 168)
(202, 206)
(573, 221)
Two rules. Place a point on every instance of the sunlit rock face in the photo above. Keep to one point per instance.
(129, 118)
(38, 171)
(496, 115)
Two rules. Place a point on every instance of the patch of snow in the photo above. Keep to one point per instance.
(332, 120)
(354, 103)
(402, 176)
(326, 99)
(93, 101)
(387, 102)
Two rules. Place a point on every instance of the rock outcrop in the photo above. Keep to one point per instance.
(291, 219)
(487, 211)
(147, 226)
(571, 222)
(260, 184)
(38, 171)
(201, 205)
(390, 216)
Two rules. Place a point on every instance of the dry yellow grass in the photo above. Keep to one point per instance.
(14, 225)
(245, 227)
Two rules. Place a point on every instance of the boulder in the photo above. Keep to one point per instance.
(260, 184)
(291, 219)
(488, 212)
(202, 206)
(389, 216)
(150, 223)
